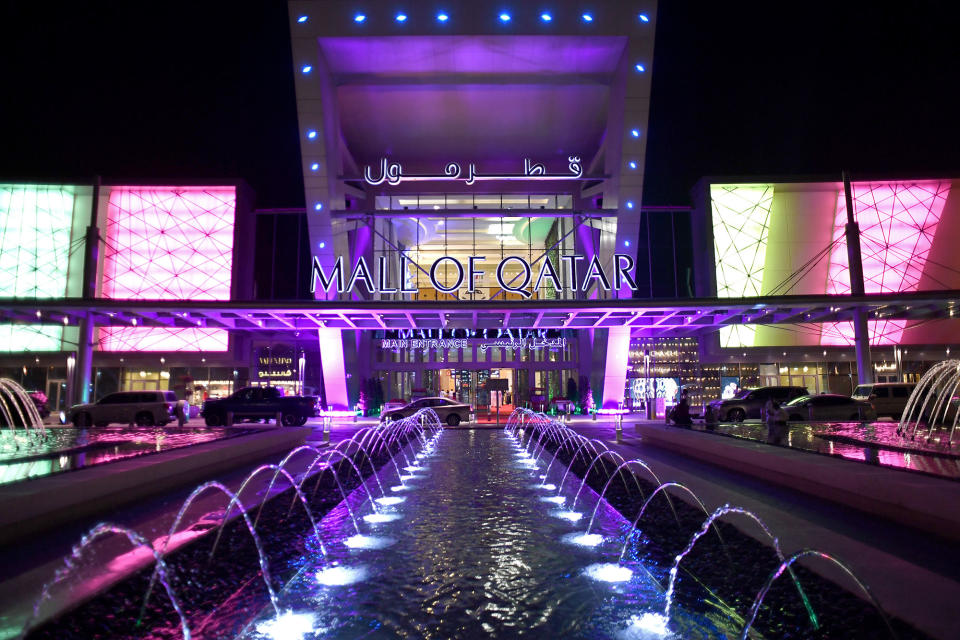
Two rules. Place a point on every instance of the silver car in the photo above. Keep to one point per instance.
(449, 411)
(829, 406)
(143, 408)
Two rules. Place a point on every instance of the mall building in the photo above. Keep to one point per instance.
(473, 179)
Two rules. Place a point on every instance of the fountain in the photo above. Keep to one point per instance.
(939, 385)
(393, 439)
(17, 409)
(482, 530)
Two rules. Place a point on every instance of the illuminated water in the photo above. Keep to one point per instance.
(61, 449)
(873, 443)
(474, 551)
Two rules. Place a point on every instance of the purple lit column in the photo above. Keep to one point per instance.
(334, 374)
(615, 373)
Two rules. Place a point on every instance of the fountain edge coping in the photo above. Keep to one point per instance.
(41, 504)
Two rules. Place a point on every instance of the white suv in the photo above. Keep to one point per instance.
(142, 408)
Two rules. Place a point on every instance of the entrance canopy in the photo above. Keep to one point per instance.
(667, 318)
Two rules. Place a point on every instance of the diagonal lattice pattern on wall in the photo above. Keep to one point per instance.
(36, 223)
(162, 339)
(741, 224)
(897, 224)
(168, 243)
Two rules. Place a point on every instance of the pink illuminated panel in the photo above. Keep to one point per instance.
(168, 243)
(897, 224)
(162, 339)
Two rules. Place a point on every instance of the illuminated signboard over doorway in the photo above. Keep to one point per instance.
(548, 273)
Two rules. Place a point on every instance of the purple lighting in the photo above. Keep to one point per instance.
(315, 166)
(629, 204)
(318, 206)
(632, 164)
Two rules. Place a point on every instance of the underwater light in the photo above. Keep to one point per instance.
(399, 487)
(650, 625)
(608, 572)
(572, 516)
(412, 468)
(584, 539)
(381, 517)
(388, 500)
(339, 576)
(368, 542)
(553, 499)
(547, 487)
(288, 626)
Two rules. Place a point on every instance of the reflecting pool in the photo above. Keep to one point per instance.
(473, 550)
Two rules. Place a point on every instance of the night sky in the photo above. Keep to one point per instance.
(204, 90)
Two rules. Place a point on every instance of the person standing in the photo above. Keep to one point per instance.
(182, 412)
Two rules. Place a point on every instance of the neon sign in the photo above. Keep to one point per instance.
(392, 173)
(363, 275)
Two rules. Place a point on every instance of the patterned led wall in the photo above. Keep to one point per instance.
(741, 223)
(168, 243)
(898, 222)
(41, 253)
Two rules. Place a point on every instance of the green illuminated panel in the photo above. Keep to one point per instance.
(41, 253)
(18, 337)
(741, 225)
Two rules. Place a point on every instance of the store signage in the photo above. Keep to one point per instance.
(392, 173)
(275, 363)
(547, 273)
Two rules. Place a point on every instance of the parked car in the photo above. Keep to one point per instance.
(749, 403)
(887, 398)
(393, 404)
(449, 411)
(143, 408)
(254, 403)
(829, 406)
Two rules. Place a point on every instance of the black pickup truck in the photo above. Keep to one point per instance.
(258, 403)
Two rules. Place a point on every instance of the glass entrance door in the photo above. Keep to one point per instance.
(56, 395)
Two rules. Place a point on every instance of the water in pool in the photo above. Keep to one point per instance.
(475, 550)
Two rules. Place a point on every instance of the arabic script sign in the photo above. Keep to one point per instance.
(392, 173)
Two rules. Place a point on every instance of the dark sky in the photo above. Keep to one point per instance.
(204, 89)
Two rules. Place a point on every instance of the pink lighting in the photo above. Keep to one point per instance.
(897, 224)
(162, 339)
(168, 243)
